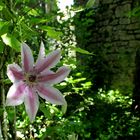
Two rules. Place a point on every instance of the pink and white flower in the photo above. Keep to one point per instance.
(35, 79)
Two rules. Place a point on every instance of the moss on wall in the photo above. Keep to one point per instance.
(114, 37)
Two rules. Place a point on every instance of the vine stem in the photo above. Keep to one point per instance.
(15, 134)
(4, 123)
(1, 137)
(31, 131)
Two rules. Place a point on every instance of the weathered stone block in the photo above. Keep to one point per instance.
(124, 21)
(114, 22)
(109, 29)
(116, 1)
(108, 39)
(137, 36)
(96, 3)
(107, 14)
(133, 26)
(107, 1)
(135, 19)
(134, 43)
(112, 6)
(115, 37)
(130, 32)
(124, 36)
(137, 31)
(119, 27)
(119, 46)
(126, 2)
(105, 22)
(122, 11)
(120, 43)
(127, 37)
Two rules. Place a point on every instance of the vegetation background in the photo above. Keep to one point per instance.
(96, 111)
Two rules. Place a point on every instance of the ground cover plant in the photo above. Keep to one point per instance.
(47, 90)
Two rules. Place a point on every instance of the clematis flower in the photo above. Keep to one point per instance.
(32, 80)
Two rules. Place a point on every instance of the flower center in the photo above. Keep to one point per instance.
(32, 78)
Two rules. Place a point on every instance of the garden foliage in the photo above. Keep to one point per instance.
(100, 115)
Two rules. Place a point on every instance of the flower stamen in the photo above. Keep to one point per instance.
(32, 78)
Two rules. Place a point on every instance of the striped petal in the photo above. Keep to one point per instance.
(57, 77)
(41, 54)
(48, 62)
(15, 94)
(31, 102)
(50, 94)
(14, 72)
(27, 58)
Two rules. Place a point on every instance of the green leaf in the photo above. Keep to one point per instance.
(4, 25)
(1, 111)
(46, 111)
(11, 41)
(33, 12)
(11, 113)
(27, 32)
(38, 20)
(134, 12)
(90, 3)
(7, 14)
(80, 50)
(73, 136)
(7, 81)
(51, 32)
(1, 6)
(1, 46)
(64, 108)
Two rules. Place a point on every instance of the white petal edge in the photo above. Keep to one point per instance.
(51, 94)
(27, 58)
(50, 61)
(55, 78)
(15, 75)
(15, 95)
(41, 54)
(31, 102)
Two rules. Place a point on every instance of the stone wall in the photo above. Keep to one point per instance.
(114, 39)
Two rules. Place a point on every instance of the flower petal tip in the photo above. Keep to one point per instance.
(7, 103)
(27, 57)
(64, 108)
(31, 119)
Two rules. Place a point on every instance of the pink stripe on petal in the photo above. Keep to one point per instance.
(57, 77)
(51, 94)
(48, 62)
(27, 58)
(31, 102)
(15, 94)
(47, 72)
(41, 54)
(14, 72)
